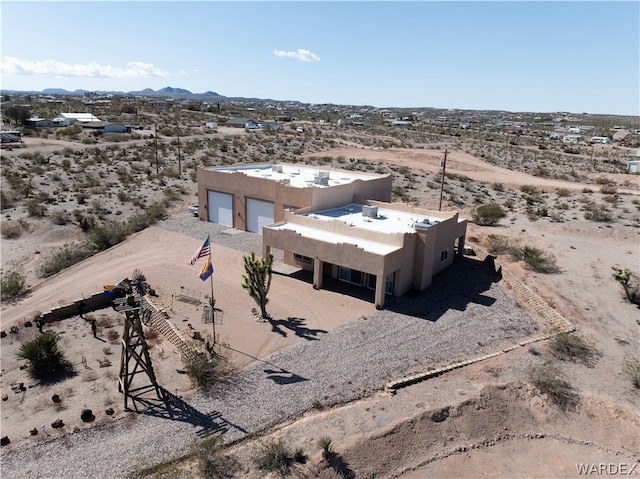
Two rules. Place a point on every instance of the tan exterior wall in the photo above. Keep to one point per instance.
(283, 195)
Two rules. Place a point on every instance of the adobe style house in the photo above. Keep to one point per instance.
(334, 223)
(248, 197)
(388, 247)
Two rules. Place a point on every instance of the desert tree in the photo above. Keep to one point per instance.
(257, 279)
(631, 287)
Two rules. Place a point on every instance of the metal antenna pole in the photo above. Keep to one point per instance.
(444, 167)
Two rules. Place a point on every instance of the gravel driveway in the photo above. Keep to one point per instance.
(462, 315)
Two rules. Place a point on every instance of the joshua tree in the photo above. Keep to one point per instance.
(257, 279)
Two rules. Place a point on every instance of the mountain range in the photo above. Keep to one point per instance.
(167, 92)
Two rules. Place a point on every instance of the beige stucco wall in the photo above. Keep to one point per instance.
(283, 195)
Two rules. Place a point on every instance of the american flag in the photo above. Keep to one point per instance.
(203, 251)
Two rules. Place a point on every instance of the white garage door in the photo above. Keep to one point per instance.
(220, 207)
(259, 214)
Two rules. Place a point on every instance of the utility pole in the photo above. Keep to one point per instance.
(156, 135)
(179, 159)
(444, 167)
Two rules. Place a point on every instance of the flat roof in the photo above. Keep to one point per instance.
(336, 238)
(299, 176)
(386, 220)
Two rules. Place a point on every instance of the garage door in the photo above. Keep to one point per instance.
(220, 207)
(259, 214)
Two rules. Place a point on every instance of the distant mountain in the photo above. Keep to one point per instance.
(147, 92)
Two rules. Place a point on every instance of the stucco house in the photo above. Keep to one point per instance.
(390, 248)
(248, 197)
(335, 224)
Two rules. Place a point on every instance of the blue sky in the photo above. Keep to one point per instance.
(515, 56)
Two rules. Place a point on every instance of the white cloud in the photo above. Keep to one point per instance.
(54, 68)
(300, 54)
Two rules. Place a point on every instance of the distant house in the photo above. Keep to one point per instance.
(80, 117)
(104, 127)
(238, 122)
(633, 167)
(600, 139)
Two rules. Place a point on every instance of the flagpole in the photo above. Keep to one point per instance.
(213, 306)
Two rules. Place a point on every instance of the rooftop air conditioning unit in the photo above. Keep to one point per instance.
(276, 168)
(323, 174)
(369, 211)
(321, 180)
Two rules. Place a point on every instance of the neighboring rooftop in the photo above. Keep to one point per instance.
(299, 176)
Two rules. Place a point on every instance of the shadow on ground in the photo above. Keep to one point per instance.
(169, 406)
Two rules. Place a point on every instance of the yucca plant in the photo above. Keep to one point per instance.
(44, 355)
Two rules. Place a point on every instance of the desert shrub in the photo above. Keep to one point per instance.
(275, 456)
(206, 364)
(44, 356)
(498, 244)
(563, 192)
(62, 257)
(6, 200)
(539, 261)
(529, 189)
(112, 336)
(111, 234)
(488, 215)
(13, 284)
(10, 229)
(60, 218)
(631, 369)
(35, 208)
(572, 347)
(211, 462)
(599, 213)
(549, 379)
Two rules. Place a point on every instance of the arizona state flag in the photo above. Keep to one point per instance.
(207, 269)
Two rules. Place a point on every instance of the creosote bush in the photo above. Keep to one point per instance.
(13, 285)
(488, 215)
(631, 369)
(539, 261)
(572, 347)
(549, 379)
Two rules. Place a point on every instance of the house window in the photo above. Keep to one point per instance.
(444, 255)
(301, 258)
(372, 280)
(350, 276)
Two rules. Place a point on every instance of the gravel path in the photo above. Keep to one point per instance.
(462, 315)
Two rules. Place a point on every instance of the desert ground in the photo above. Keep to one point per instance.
(483, 420)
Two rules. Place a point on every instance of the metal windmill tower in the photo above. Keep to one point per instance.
(135, 359)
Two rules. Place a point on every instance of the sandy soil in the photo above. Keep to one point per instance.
(496, 425)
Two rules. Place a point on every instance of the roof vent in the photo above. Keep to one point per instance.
(321, 180)
(369, 211)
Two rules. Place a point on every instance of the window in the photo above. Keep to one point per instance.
(350, 275)
(444, 255)
(301, 258)
(372, 280)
